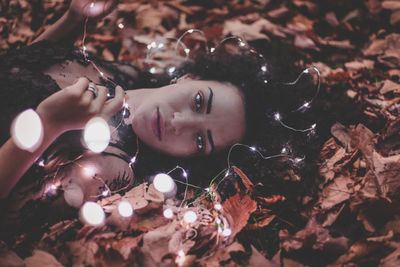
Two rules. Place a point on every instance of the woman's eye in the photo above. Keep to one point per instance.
(200, 143)
(198, 101)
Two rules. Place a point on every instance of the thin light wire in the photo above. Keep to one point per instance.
(190, 32)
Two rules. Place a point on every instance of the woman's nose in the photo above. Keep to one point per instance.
(181, 122)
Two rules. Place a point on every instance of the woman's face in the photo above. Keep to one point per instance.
(191, 117)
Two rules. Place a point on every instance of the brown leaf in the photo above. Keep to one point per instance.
(249, 31)
(392, 260)
(245, 180)
(389, 86)
(222, 255)
(312, 236)
(41, 258)
(82, 253)
(126, 245)
(304, 42)
(9, 258)
(391, 4)
(395, 17)
(358, 65)
(261, 222)
(338, 191)
(238, 209)
(341, 133)
(330, 17)
(279, 13)
(361, 252)
(257, 259)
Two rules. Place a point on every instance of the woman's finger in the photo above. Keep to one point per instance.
(98, 102)
(89, 95)
(115, 104)
(79, 86)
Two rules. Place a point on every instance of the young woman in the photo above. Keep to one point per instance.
(216, 102)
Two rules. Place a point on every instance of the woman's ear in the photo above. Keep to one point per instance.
(188, 76)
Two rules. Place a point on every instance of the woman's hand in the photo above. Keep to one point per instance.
(92, 8)
(71, 107)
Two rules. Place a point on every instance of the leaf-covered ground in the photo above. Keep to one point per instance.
(355, 218)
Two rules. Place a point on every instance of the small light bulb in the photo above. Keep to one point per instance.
(152, 70)
(168, 213)
(306, 71)
(226, 232)
(149, 46)
(181, 253)
(133, 160)
(212, 49)
(91, 4)
(27, 130)
(190, 31)
(277, 116)
(73, 195)
(89, 171)
(121, 26)
(187, 50)
(298, 160)
(164, 183)
(41, 163)
(313, 126)
(190, 216)
(185, 174)
(227, 173)
(102, 74)
(306, 104)
(160, 45)
(284, 150)
(253, 148)
(265, 81)
(171, 69)
(105, 193)
(242, 44)
(218, 220)
(218, 206)
(264, 68)
(153, 44)
(84, 48)
(97, 134)
(92, 213)
(125, 209)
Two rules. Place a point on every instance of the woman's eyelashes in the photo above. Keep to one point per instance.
(198, 101)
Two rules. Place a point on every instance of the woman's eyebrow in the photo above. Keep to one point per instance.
(210, 98)
(210, 139)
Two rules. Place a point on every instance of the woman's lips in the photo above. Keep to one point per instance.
(157, 124)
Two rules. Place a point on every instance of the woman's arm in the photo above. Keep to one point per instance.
(70, 25)
(68, 109)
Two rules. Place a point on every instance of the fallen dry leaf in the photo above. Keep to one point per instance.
(41, 258)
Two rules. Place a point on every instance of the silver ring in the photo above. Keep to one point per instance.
(93, 90)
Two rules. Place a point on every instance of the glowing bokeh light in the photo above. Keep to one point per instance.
(27, 130)
(92, 213)
(164, 183)
(168, 213)
(125, 209)
(190, 216)
(226, 232)
(73, 195)
(97, 134)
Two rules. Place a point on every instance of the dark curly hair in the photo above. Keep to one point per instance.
(264, 94)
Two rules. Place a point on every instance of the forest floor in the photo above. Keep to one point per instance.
(353, 220)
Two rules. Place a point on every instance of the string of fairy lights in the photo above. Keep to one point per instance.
(97, 136)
